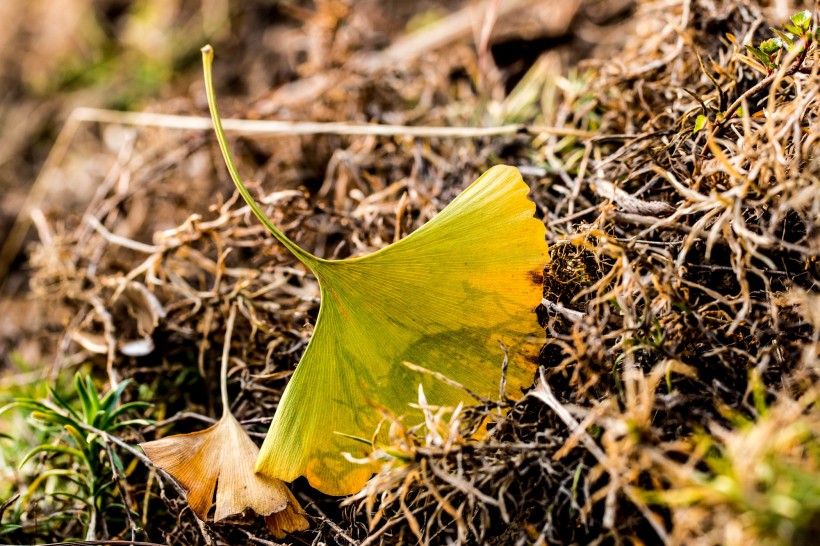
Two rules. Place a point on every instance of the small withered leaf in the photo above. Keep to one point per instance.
(222, 457)
(143, 306)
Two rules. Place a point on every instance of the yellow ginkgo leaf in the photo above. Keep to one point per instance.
(450, 298)
(222, 458)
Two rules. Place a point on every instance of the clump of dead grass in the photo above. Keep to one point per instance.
(683, 267)
(678, 396)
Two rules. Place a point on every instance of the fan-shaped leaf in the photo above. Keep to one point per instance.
(450, 298)
(221, 458)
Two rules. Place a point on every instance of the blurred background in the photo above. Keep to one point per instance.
(451, 62)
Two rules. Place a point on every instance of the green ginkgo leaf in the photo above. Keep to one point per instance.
(451, 297)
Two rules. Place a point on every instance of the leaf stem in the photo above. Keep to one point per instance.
(305, 257)
(223, 372)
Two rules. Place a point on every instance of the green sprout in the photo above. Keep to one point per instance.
(796, 39)
(81, 458)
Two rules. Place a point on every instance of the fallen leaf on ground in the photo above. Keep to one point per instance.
(222, 458)
(449, 298)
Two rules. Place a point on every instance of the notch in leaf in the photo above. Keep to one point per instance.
(221, 459)
(449, 297)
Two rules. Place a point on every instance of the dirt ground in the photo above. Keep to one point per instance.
(675, 171)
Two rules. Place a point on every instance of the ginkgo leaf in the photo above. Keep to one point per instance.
(221, 458)
(450, 298)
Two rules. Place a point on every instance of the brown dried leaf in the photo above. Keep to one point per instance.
(286, 521)
(222, 457)
(144, 307)
(631, 204)
(94, 343)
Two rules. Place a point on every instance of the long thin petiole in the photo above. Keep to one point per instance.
(226, 351)
(305, 257)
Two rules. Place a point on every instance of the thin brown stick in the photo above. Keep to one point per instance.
(296, 128)
(226, 351)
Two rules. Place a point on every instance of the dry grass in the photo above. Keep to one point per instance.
(677, 402)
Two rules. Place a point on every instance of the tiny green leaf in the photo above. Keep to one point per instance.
(117, 462)
(762, 57)
(109, 401)
(793, 30)
(787, 37)
(61, 402)
(122, 410)
(771, 46)
(89, 405)
(802, 19)
(79, 439)
(50, 417)
(48, 448)
(700, 123)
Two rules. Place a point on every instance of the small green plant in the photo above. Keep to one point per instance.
(761, 474)
(796, 37)
(791, 45)
(79, 454)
